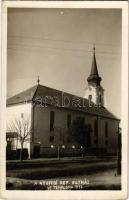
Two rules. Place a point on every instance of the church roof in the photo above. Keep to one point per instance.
(94, 77)
(25, 96)
(45, 95)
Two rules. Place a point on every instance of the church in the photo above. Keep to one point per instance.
(56, 120)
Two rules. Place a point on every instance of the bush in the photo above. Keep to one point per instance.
(11, 155)
(25, 154)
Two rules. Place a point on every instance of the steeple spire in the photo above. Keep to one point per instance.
(94, 76)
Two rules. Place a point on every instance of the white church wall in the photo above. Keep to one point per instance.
(17, 112)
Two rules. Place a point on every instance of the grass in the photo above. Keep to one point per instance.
(38, 163)
(60, 170)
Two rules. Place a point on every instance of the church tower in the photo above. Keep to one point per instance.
(94, 91)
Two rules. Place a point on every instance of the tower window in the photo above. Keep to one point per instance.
(106, 129)
(96, 127)
(100, 98)
(52, 116)
(68, 120)
(90, 98)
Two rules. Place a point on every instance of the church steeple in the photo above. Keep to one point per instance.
(94, 78)
(94, 91)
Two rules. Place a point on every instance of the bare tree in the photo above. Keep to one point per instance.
(22, 127)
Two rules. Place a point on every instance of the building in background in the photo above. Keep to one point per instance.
(52, 114)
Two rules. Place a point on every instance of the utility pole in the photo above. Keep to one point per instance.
(58, 149)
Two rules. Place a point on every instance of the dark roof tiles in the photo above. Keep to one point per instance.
(44, 95)
(22, 97)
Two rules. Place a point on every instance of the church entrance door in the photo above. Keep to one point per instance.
(36, 151)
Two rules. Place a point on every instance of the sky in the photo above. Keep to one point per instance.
(57, 45)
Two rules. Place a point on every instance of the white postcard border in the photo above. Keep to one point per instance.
(124, 74)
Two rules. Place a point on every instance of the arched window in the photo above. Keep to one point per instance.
(96, 127)
(106, 129)
(52, 116)
(68, 120)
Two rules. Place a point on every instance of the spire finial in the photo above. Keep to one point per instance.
(38, 80)
(94, 48)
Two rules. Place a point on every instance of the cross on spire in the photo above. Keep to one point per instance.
(38, 80)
